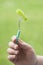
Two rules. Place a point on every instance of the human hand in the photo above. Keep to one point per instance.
(21, 53)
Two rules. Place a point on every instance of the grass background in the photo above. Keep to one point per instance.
(32, 30)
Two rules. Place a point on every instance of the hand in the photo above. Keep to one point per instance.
(21, 53)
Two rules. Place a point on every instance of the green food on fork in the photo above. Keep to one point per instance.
(21, 14)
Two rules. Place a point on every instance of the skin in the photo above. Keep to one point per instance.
(23, 53)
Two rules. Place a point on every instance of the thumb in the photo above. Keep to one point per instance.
(21, 43)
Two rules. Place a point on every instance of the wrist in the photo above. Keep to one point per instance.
(39, 60)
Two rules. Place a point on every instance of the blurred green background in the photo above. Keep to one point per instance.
(32, 30)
